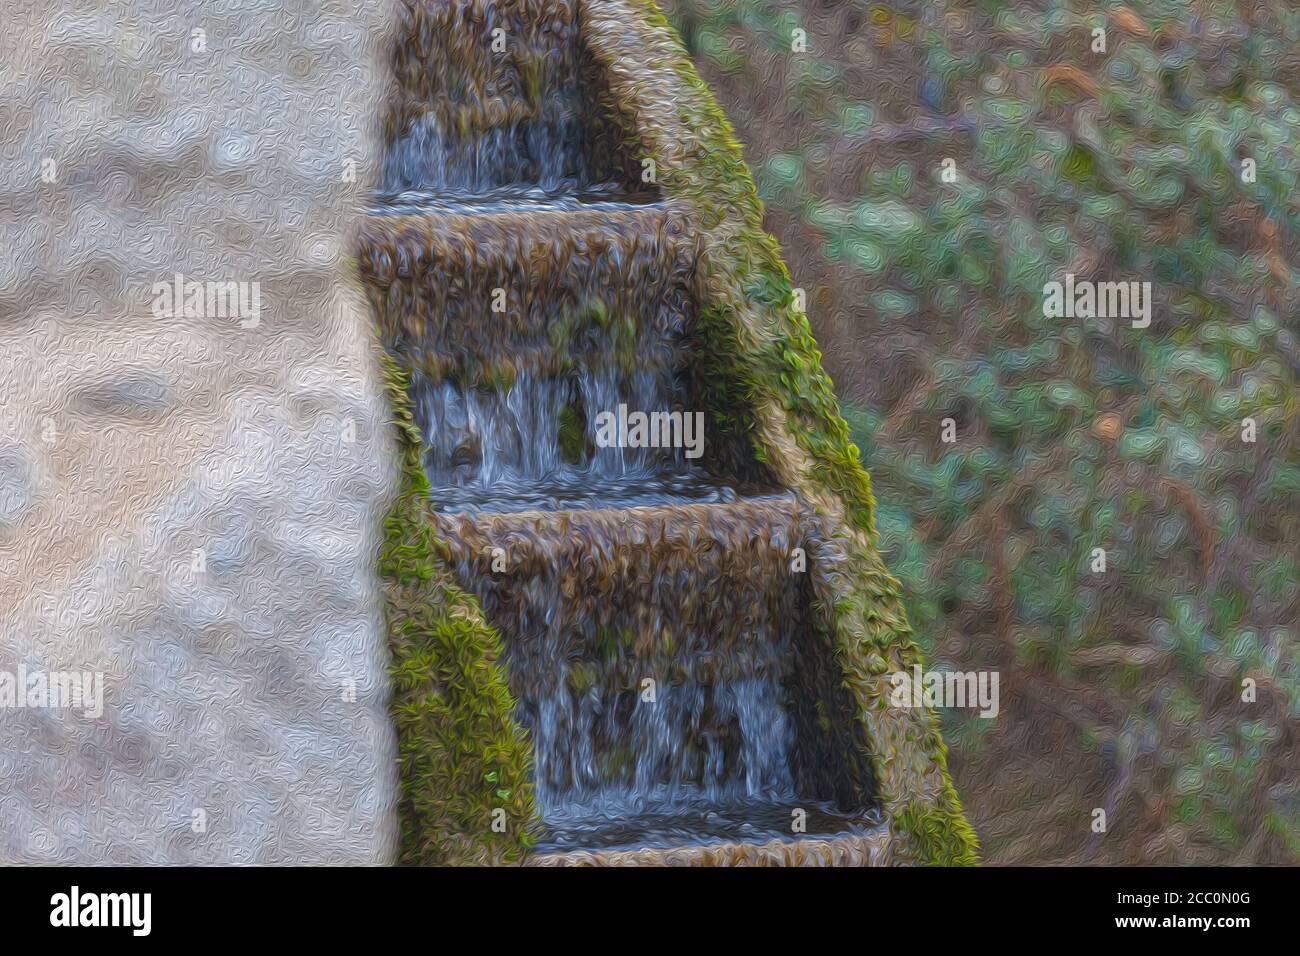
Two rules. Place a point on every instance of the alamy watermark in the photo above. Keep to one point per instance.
(957, 689)
(192, 299)
(1085, 299)
(53, 690)
(75, 908)
(625, 429)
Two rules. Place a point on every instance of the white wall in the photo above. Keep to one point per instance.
(128, 441)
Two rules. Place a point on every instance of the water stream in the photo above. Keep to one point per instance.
(655, 637)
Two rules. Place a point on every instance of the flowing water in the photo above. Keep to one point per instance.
(655, 635)
(494, 95)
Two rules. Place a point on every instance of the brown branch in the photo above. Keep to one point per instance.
(1201, 526)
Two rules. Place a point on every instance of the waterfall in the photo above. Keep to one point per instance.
(656, 639)
(492, 96)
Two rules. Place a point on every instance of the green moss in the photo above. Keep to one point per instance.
(938, 834)
(461, 755)
(783, 364)
(595, 313)
(758, 353)
(618, 329)
(572, 437)
(562, 329)
(500, 377)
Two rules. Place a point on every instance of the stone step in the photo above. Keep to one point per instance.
(709, 601)
(685, 592)
(659, 819)
(491, 283)
(751, 534)
(577, 492)
(488, 94)
(869, 849)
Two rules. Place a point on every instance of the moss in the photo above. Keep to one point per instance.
(938, 834)
(461, 754)
(595, 313)
(783, 365)
(572, 436)
(764, 383)
(500, 377)
(562, 329)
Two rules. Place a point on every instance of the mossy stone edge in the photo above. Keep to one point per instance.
(766, 380)
(464, 760)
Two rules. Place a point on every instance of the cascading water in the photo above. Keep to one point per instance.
(524, 324)
(654, 634)
(492, 96)
(650, 649)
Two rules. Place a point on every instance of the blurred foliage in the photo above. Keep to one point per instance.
(1121, 690)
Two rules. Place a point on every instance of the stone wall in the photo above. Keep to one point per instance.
(190, 505)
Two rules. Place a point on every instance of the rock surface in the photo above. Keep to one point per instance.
(191, 504)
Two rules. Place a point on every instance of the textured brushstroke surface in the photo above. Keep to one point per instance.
(1122, 691)
(519, 109)
(191, 506)
(588, 599)
(768, 387)
(696, 598)
(873, 849)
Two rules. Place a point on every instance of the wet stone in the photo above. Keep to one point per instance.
(660, 648)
